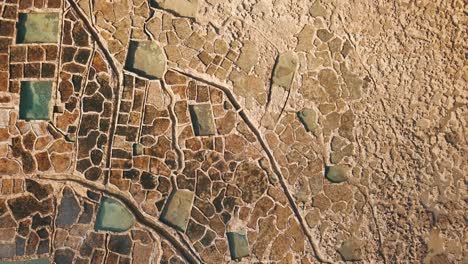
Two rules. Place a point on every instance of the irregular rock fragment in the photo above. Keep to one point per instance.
(148, 180)
(347, 48)
(353, 83)
(305, 39)
(317, 10)
(329, 81)
(38, 190)
(113, 216)
(68, 210)
(337, 173)
(121, 244)
(43, 161)
(252, 180)
(324, 35)
(182, 28)
(142, 253)
(177, 210)
(285, 68)
(202, 119)
(248, 57)
(309, 118)
(24, 206)
(195, 231)
(8, 167)
(146, 58)
(186, 8)
(350, 250)
(249, 86)
(227, 123)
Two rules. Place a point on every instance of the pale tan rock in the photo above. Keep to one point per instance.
(220, 47)
(187, 8)
(248, 56)
(317, 9)
(60, 162)
(285, 69)
(182, 28)
(351, 249)
(305, 39)
(329, 81)
(248, 86)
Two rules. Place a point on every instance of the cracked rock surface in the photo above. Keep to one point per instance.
(208, 131)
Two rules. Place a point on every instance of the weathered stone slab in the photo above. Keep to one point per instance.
(35, 100)
(317, 10)
(202, 119)
(238, 245)
(308, 117)
(285, 68)
(351, 250)
(146, 58)
(68, 210)
(186, 8)
(38, 28)
(177, 210)
(337, 173)
(113, 216)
